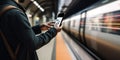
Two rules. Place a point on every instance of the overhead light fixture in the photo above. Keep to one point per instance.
(36, 4)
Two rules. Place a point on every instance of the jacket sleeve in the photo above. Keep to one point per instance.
(36, 29)
(22, 30)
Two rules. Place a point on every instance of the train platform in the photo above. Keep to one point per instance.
(62, 47)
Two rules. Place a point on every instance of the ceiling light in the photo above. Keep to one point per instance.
(36, 4)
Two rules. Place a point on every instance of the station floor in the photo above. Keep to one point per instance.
(54, 50)
(58, 49)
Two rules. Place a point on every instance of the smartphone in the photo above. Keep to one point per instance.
(59, 19)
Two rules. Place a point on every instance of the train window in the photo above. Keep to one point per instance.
(74, 23)
(106, 20)
(82, 21)
(103, 30)
(111, 22)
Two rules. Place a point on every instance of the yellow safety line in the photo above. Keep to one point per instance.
(62, 52)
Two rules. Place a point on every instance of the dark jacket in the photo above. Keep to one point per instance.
(16, 28)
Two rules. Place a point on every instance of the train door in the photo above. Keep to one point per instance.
(82, 28)
(75, 26)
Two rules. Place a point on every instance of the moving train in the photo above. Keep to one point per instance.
(97, 27)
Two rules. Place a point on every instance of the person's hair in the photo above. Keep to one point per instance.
(21, 1)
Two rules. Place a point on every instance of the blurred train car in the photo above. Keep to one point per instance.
(98, 28)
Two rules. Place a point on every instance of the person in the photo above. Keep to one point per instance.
(17, 30)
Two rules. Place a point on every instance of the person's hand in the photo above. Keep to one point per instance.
(46, 26)
(51, 23)
(57, 27)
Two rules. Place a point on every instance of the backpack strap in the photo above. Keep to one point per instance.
(8, 47)
(12, 54)
(7, 8)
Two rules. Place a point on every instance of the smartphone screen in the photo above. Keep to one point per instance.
(58, 21)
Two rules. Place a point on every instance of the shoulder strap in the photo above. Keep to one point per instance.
(12, 54)
(6, 8)
(8, 47)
